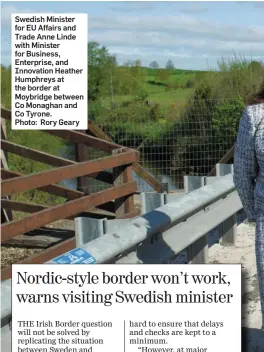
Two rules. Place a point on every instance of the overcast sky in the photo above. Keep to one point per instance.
(192, 34)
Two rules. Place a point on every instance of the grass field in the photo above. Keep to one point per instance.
(157, 95)
(165, 92)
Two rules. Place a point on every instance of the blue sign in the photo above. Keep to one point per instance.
(75, 256)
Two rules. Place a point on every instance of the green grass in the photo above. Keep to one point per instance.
(157, 96)
(161, 94)
(39, 141)
(165, 99)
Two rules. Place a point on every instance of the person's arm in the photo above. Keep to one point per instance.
(245, 165)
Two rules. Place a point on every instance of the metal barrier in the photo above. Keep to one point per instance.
(171, 224)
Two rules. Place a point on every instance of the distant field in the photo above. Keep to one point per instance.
(180, 79)
(165, 92)
(169, 97)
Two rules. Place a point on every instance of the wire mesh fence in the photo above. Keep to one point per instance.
(173, 142)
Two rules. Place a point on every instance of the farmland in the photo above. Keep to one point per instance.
(163, 87)
(181, 121)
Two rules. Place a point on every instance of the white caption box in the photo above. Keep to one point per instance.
(86, 308)
(49, 71)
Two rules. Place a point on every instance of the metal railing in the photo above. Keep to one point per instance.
(162, 233)
(181, 223)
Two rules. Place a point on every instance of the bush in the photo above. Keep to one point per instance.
(94, 109)
(193, 136)
(155, 113)
(189, 84)
(141, 95)
(130, 113)
(207, 128)
(226, 119)
(127, 103)
(6, 87)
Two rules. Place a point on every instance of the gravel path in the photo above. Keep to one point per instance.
(10, 254)
(244, 252)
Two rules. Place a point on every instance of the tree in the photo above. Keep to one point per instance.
(132, 63)
(6, 86)
(170, 65)
(128, 63)
(100, 67)
(154, 64)
(255, 66)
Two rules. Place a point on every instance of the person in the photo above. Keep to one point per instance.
(249, 177)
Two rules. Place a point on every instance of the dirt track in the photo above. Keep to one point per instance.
(244, 252)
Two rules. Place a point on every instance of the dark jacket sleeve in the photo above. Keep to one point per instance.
(245, 165)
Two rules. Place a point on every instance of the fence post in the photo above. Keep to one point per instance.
(87, 229)
(228, 229)
(164, 188)
(197, 253)
(122, 174)
(191, 183)
(208, 180)
(82, 154)
(6, 214)
(151, 201)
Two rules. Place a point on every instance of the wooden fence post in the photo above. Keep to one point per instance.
(6, 214)
(122, 174)
(82, 154)
(4, 156)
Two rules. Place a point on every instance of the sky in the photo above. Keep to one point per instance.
(194, 35)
